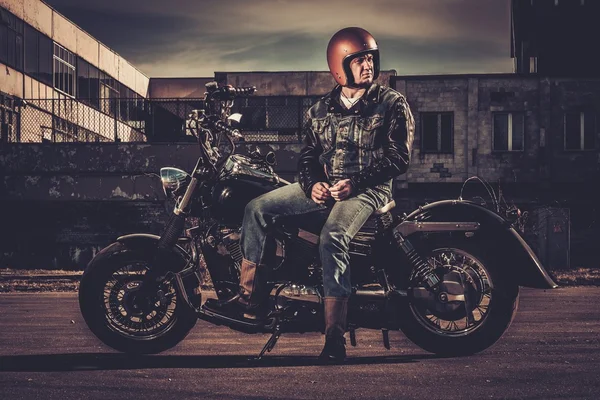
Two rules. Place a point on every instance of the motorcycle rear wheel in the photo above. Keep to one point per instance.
(474, 307)
(119, 317)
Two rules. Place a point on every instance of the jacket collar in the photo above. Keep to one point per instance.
(332, 100)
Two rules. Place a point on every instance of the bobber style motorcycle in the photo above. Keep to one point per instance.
(447, 274)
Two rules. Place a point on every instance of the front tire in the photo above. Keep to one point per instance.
(476, 303)
(118, 316)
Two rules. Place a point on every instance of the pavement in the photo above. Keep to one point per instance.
(47, 280)
(551, 351)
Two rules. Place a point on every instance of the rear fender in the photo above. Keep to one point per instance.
(497, 234)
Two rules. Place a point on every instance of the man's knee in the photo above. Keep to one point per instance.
(333, 241)
(252, 207)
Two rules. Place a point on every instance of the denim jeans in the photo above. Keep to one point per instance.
(344, 220)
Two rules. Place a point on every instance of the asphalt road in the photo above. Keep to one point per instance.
(552, 350)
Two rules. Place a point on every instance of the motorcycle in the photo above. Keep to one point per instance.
(447, 274)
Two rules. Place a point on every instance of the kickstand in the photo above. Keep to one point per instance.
(272, 341)
(386, 338)
(353, 337)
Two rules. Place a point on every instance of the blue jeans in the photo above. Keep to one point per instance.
(344, 220)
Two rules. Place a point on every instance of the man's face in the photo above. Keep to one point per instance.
(362, 69)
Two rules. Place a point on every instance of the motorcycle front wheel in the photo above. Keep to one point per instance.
(115, 310)
(473, 306)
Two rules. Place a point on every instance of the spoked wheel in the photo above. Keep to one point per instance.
(132, 314)
(121, 315)
(472, 307)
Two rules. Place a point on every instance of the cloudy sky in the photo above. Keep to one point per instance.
(195, 38)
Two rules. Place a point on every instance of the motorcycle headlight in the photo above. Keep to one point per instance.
(174, 181)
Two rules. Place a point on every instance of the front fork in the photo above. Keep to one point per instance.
(168, 239)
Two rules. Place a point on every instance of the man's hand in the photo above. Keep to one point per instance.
(341, 190)
(320, 192)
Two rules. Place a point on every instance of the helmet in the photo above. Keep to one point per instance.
(344, 46)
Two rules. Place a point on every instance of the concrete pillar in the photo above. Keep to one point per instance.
(472, 133)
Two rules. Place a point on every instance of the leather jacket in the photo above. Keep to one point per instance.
(369, 144)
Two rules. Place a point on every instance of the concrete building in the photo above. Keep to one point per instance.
(75, 88)
(533, 133)
(555, 37)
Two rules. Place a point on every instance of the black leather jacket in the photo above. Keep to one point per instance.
(369, 144)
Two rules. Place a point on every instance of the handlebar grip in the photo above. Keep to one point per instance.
(230, 131)
(228, 92)
(241, 91)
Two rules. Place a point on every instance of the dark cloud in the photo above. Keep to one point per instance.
(129, 34)
(196, 38)
(413, 56)
(295, 50)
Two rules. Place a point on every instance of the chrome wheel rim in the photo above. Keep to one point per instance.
(464, 300)
(131, 316)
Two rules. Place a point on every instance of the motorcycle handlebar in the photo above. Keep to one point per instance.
(228, 92)
(229, 130)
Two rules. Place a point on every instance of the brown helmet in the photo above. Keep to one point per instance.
(344, 46)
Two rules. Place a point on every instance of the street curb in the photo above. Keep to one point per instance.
(6, 277)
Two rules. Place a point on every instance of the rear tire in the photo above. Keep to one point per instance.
(458, 328)
(108, 303)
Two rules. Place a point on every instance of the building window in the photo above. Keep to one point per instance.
(38, 55)
(11, 40)
(64, 70)
(109, 95)
(580, 131)
(437, 132)
(508, 131)
(88, 83)
(533, 65)
(9, 131)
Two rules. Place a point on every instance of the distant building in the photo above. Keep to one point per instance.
(75, 88)
(534, 132)
(556, 37)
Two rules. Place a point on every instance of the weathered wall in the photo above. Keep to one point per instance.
(438, 95)
(544, 174)
(59, 204)
(302, 83)
(473, 99)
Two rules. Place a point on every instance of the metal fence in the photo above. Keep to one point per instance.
(265, 119)
(69, 120)
(9, 118)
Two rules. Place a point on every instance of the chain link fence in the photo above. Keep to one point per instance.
(274, 118)
(265, 119)
(9, 119)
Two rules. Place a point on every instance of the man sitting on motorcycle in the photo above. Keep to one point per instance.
(358, 138)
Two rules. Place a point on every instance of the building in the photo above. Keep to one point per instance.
(59, 84)
(555, 37)
(533, 134)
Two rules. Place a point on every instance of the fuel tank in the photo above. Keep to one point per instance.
(241, 179)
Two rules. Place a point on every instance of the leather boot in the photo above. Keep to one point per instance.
(248, 302)
(336, 310)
